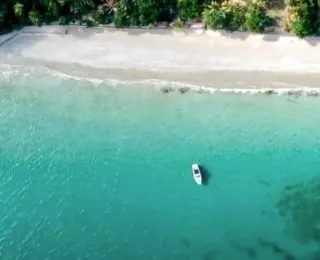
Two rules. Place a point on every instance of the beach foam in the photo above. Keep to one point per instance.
(10, 72)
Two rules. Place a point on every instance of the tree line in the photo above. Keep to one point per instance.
(301, 16)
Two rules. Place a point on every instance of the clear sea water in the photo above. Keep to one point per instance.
(103, 171)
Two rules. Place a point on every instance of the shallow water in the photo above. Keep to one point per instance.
(102, 171)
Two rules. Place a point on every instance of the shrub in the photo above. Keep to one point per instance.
(50, 11)
(90, 22)
(101, 14)
(234, 15)
(256, 18)
(34, 18)
(178, 24)
(301, 24)
(143, 12)
(11, 15)
(123, 14)
(191, 9)
(121, 20)
(213, 16)
(188, 9)
(82, 6)
(302, 17)
(63, 20)
(3, 14)
(298, 2)
(168, 10)
(18, 10)
(230, 16)
(149, 11)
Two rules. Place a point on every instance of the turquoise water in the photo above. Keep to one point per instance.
(102, 171)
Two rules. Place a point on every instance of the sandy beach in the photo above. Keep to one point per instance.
(194, 56)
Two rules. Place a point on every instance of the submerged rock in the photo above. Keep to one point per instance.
(295, 93)
(315, 255)
(269, 92)
(249, 251)
(200, 91)
(167, 90)
(184, 90)
(276, 249)
(313, 93)
(299, 204)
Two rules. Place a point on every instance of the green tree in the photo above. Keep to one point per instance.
(303, 17)
(256, 18)
(18, 9)
(148, 10)
(234, 15)
(191, 9)
(213, 16)
(3, 13)
(124, 17)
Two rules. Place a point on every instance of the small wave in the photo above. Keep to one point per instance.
(10, 72)
(67, 77)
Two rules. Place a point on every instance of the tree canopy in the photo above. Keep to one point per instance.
(252, 15)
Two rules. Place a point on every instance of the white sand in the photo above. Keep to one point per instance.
(193, 56)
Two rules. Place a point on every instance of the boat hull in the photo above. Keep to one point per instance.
(196, 173)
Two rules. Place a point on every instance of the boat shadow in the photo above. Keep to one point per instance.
(206, 175)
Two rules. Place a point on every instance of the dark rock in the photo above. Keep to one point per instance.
(296, 93)
(167, 90)
(184, 90)
(313, 93)
(269, 92)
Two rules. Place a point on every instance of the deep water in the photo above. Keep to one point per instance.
(103, 171)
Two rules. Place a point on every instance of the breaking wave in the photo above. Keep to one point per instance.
(9, 73)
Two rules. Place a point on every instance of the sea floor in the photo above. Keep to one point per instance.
(103, 171)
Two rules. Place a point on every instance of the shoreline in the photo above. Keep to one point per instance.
(194, 56)
(166, 86)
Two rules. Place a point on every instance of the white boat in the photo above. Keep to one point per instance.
(196, 173)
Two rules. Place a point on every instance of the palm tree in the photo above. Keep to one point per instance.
(112, 5)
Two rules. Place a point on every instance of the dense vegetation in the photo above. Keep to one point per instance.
(301, 18)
